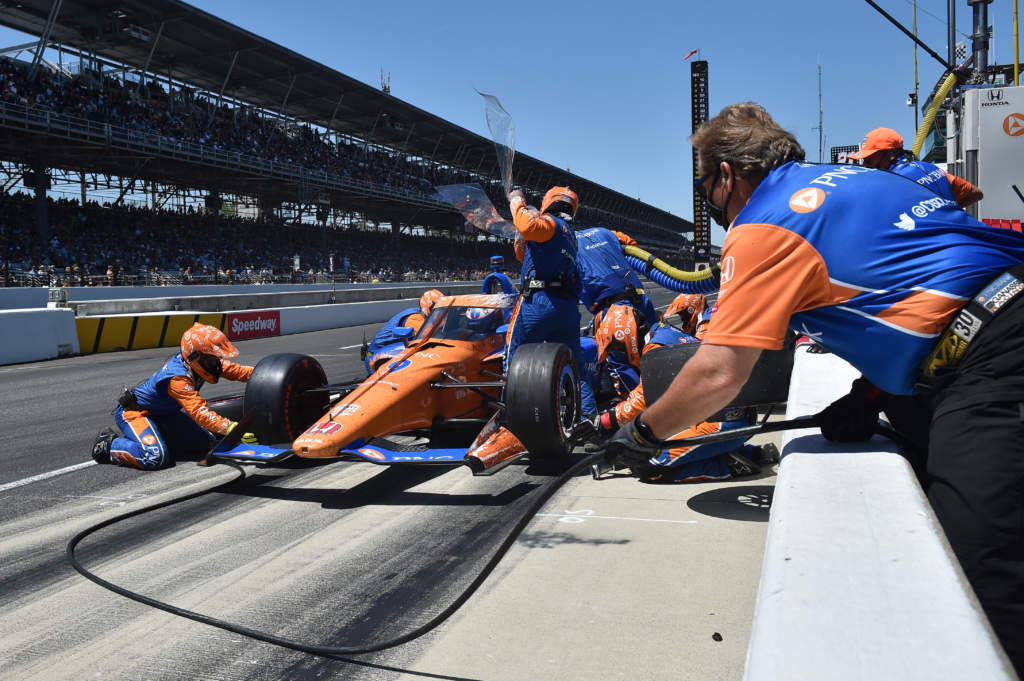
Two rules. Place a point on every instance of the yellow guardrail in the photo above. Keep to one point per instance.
(136, 332)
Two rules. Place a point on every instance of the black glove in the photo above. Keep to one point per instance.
(854, 416)
(633, 445)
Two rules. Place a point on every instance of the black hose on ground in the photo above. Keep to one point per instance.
(546, 494)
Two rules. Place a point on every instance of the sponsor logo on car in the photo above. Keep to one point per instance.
(372, 453)
(325, 428)
(345, 409)
(398, 366)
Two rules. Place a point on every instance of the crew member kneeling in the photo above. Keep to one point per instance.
(164, 416)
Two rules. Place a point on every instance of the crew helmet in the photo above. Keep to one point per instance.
(428, 300)
(617, 330)
(497, 262)
(560, 195)
(203, 347)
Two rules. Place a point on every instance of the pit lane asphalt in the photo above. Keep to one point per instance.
(333, 554)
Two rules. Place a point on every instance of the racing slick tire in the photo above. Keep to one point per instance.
(278, 393)
(542, 399)
(768, 383)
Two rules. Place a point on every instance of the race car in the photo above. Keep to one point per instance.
(426, 406)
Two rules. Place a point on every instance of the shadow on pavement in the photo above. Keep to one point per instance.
(749, 503)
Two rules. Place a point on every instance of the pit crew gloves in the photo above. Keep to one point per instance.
(632, 445)
(854, 416)
(247, 438)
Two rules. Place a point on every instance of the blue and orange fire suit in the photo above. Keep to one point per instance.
(605, 279)
(547, 309)
(685, 464)
(881, 271)
(931, 176)
(169, 418)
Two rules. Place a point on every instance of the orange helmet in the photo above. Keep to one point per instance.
(617, 330)
(203, 347)
(428, 299)
(560, 195)
(689, 307)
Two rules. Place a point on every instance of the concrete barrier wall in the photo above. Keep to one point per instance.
(30, 335)
(25, 297)
(858, 580)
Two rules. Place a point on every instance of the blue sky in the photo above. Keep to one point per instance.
(602, 88)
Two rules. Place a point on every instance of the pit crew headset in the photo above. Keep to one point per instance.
(203, 347)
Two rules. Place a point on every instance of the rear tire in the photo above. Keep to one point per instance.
(542, 399)
(277, 392)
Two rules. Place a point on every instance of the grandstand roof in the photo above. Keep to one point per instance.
(202, 50)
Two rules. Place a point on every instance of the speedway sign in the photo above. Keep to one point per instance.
(242, 325)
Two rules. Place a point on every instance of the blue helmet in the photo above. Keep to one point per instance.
(497, 263)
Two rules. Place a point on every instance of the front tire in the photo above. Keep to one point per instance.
(278, 393)
(542, 399)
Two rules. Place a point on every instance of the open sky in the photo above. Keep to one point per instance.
(601, 88)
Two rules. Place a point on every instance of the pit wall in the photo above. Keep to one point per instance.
(858, 580)
(28, 297)
(30, 335)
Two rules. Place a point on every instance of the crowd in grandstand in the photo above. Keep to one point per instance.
(94, 244)
(183, 116)
(120, 244)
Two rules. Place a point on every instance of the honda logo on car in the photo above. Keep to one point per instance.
(254, 324)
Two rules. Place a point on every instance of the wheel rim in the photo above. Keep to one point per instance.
(566, 401)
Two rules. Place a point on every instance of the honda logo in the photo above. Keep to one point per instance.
(995, 95)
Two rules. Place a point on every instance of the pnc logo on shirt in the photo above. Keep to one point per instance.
(806, 200)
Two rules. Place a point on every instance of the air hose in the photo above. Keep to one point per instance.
(680, 281)
(929, 116)
(502, 549)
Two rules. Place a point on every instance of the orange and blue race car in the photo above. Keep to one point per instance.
(431, 404)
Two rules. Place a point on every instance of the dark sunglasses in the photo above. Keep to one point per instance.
(698, 184)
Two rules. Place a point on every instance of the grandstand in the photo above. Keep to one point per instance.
(163, 100)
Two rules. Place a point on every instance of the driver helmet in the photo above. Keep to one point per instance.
(483, 319)
(428, 300)
(497, 263)
(560, 195)
(203, 349)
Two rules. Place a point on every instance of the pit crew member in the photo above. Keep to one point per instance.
(906, 286)
(712, 461)
(614, 294)
(164, 417)
(883, 148)
(547, 309)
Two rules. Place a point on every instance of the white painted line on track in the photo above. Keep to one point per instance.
(579, 518)
(349, 347)
(44, 476)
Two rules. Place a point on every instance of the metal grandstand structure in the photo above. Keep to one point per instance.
(174, 45)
